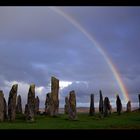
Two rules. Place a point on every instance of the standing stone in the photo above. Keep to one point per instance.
(66, 105)
(12, 102)
(19, 105)
(106, 106)
(5, 109)
(1, 106)
(31, 98)
(72, 104)
(30, 106)
(48, 103)
(119, 105)
(29, 114)
(110, 108)
(54, 96)
(139, 101)
(92, 109)
(128, 106)
(37, 105)
(101, 103)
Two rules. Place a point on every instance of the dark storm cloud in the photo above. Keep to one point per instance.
(36, 43)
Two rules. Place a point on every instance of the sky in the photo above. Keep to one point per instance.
(38, 42)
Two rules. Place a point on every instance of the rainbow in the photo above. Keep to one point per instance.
(99, 48)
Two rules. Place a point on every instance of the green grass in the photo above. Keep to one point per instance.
(114, 121)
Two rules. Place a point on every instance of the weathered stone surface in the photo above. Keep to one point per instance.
(1, 106)
(92, 109)
(110, 108)
(54, 96)
(12, 103)
(119, 105)
(30, 109)
(5, 110)
(139, 100)
(66, 105)
(29, 114)
(128, 106)
(101, 103)
(48, 103)
(72, 104)
(31, 98)
(19, 105)
(107, 107)
(37, 105)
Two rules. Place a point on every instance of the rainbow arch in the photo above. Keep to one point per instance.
(99, 48)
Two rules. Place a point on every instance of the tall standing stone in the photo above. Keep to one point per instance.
(1, 106)
(54, 96)
(92, 109)
(29, 114)
(66, 107)
(37, 105)
(31, 98)
(5, 109)
(128, 106)
(101, 103)
(119, 105)
(107, 106)
(72, 104)
(19, 105)
(48, 104)
(139, 100)
(12, 102)
(30, 106)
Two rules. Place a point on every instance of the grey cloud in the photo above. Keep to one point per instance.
(36, 43)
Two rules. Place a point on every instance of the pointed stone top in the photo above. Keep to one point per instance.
(117, 96)
(15, 87)
(32, 85)
(18, 96)
(66, 98)
(48, 94)
(54, 78)
(1, 93)
(129, 101)
(37, 97)
(72, 91)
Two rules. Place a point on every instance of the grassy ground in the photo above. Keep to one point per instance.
(124, 121)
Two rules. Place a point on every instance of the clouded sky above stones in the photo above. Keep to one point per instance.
(36, 42)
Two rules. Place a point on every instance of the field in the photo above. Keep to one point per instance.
(114, 121)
